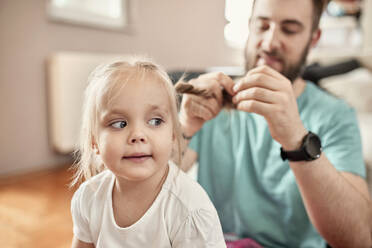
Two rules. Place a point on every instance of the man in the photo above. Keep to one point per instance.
(268, 177)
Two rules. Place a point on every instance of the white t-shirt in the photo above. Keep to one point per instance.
(182, 215)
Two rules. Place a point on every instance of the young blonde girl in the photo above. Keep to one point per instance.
(132, 196)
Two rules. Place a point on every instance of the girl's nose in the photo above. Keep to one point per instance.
(137, 140)
(137, 137)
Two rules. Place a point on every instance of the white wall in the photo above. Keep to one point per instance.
(178, 34)
(367, 25)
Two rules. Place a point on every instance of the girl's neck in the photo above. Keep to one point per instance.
(131, 200)
(154, 183)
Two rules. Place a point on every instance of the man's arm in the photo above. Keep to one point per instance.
(188, 159)
(338, 203)
(196, 110)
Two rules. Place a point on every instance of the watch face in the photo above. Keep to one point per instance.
(313, 146)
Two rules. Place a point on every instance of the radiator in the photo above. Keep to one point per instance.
(67, 78)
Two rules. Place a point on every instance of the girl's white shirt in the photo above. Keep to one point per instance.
(182, 215)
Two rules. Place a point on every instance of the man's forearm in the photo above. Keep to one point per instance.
(340, 209)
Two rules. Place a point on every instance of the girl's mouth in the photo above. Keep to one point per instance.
(137, 158)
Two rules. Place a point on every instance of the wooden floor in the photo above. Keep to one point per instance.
(35, 210)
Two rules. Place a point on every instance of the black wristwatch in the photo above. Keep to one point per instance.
(310, 149)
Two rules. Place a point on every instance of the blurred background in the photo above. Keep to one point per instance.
(48, 47)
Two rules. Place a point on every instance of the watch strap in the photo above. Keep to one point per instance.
(298, 155)
(306, 151)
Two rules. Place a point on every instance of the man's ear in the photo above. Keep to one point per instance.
(315, 37)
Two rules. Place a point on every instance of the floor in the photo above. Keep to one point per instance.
(35, 210)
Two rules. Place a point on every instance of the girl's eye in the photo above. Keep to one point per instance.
(119, 124)
(155, 121)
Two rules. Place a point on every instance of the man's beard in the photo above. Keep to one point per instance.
(290, 71)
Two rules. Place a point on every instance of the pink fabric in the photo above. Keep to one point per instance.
(243, 243)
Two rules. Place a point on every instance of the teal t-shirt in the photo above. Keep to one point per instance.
(253, 190)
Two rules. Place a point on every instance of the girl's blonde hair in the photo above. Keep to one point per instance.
(104, 84)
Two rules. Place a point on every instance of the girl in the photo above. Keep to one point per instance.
(133, 196)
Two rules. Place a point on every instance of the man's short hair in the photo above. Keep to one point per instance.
(319, 6)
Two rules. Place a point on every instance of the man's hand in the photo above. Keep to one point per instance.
(266, 92)
(196, 110)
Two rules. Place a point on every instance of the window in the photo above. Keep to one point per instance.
(237, 14)
(109, 14)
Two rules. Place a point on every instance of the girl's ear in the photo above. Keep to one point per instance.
(95, 147)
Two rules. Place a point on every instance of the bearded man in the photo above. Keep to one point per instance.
(285, 167)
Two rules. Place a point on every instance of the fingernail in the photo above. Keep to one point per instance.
(235, 88)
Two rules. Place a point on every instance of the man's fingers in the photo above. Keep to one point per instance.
(264, 69)
(212, 104)
(256, 93)
(217, 92)
(265, 77)
(223, 80)
(253, 106)
(257, 80)
(201, 111)
(226, 82)
(209, 86)
(202, 107)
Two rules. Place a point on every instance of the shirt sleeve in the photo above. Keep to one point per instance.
(80, 221)
(201, 228)
(341, 142)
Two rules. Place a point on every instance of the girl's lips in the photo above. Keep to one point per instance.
(138, 158)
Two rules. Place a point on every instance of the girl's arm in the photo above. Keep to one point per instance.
(76, 243)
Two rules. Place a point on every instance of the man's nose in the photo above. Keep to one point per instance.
(271, 39)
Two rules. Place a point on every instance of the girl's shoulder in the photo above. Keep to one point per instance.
(185, 191)
(190, 213)
(95, 187)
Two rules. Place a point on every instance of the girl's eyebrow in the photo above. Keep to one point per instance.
(154, 107)
(112, 112)
(118, 112)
